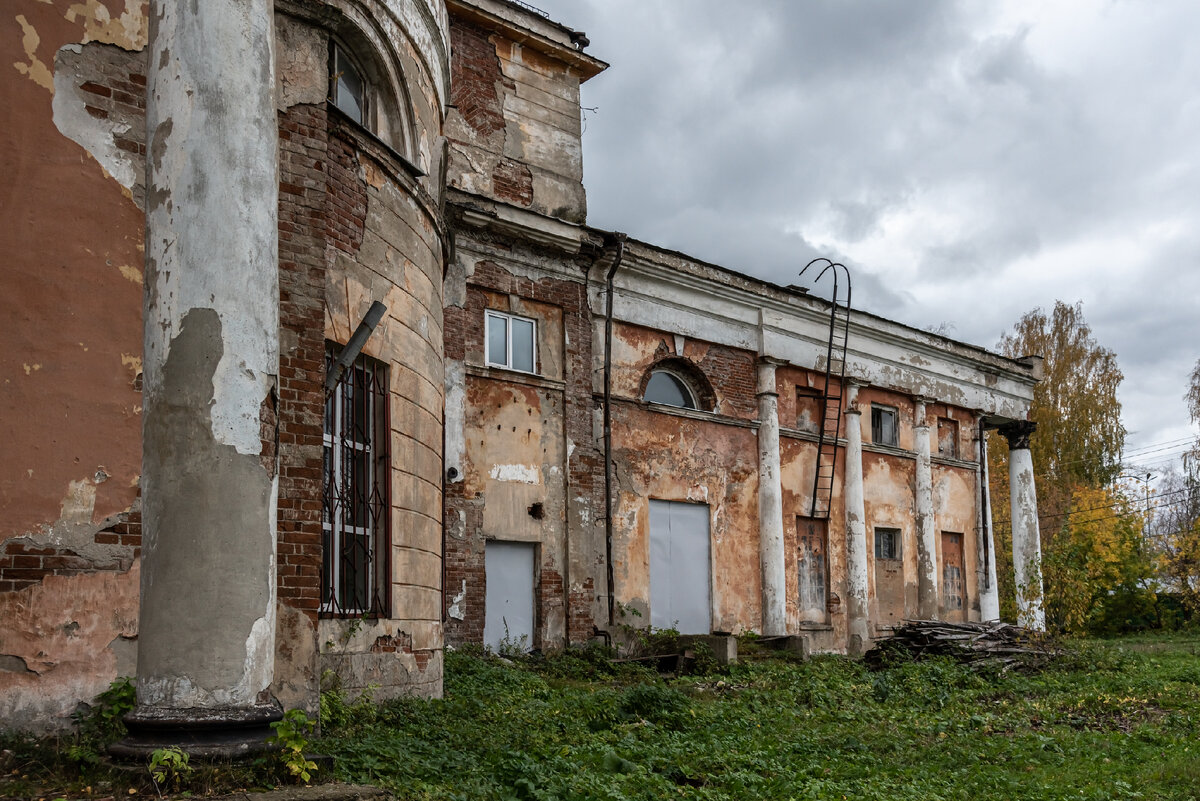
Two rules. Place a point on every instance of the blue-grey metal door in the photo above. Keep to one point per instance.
(680, 568)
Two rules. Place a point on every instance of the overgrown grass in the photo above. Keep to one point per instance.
(1112, 721)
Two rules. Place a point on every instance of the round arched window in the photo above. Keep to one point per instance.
(667, 388)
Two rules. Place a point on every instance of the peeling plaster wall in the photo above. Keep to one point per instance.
(75, 145)
(73, 75)
(386, 245)
(524, 449)
(71, 359)
(359, 225)
(514, 129)
(661, 456)
(63, 641)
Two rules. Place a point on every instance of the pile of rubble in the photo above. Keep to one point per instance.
(981, 644)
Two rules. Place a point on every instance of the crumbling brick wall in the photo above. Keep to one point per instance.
(303, 229)
(570, 597)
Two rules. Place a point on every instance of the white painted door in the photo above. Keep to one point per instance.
(680, 581)
(508, 619)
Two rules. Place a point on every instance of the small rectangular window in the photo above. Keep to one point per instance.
(883, 426)
(887, 543)
(947, 444)
(511, 342)
(355, 483)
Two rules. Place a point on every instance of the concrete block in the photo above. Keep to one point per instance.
(723, 646)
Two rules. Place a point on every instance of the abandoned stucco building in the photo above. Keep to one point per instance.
(552, 430)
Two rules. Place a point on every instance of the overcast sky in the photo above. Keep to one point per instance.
(968, 161)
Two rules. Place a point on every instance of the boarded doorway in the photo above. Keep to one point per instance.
(813, 570)
(679, 567)
(889, 576)
(954, 589)
(508, 619)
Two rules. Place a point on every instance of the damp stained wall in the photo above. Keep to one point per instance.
(73, 78)
(514, 126)
(798, 463)
(662, 453)
(509, 438)
(384, 240)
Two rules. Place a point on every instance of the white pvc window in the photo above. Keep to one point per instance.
(667, 388)
(511, 342)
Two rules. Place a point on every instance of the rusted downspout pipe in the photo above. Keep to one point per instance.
(608, 460)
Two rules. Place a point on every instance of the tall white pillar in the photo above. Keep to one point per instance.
(770, 504)
(857, 615)
(989, 594)
(927, 563)
(206, 640)
(1027, 541)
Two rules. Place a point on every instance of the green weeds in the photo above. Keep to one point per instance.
(1107, 722)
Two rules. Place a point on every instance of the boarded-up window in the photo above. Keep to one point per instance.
(813, 566)
(953, 589)
(947, 438)
(808, 410)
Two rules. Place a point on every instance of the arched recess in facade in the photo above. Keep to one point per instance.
(391, 117)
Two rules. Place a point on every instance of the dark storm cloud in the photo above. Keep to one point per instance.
(970, 161)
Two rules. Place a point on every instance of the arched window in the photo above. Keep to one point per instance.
(668, 388)
(347, 86)
(368, 87)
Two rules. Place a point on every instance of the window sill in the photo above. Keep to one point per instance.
(810, 626)
(516, 376)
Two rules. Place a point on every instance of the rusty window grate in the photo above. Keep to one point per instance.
(354, 492)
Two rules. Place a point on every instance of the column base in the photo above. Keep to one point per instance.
(202, 733)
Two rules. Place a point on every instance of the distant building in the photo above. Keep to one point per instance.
(193, 243)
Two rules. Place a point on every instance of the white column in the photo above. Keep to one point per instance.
(857, 617)
(989, 595)
(1027, 542)
(770, 504)
(206, 642)
(927, 563)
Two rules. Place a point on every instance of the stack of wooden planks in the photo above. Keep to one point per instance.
(984, 644)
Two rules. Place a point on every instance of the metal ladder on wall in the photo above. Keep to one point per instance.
(831, 398)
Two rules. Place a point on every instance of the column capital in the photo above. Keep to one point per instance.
(1018, 433)
(766, 374)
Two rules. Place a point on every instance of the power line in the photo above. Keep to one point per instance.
(1139, 510)
(1159, 445)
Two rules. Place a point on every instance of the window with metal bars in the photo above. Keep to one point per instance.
(354, 509)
